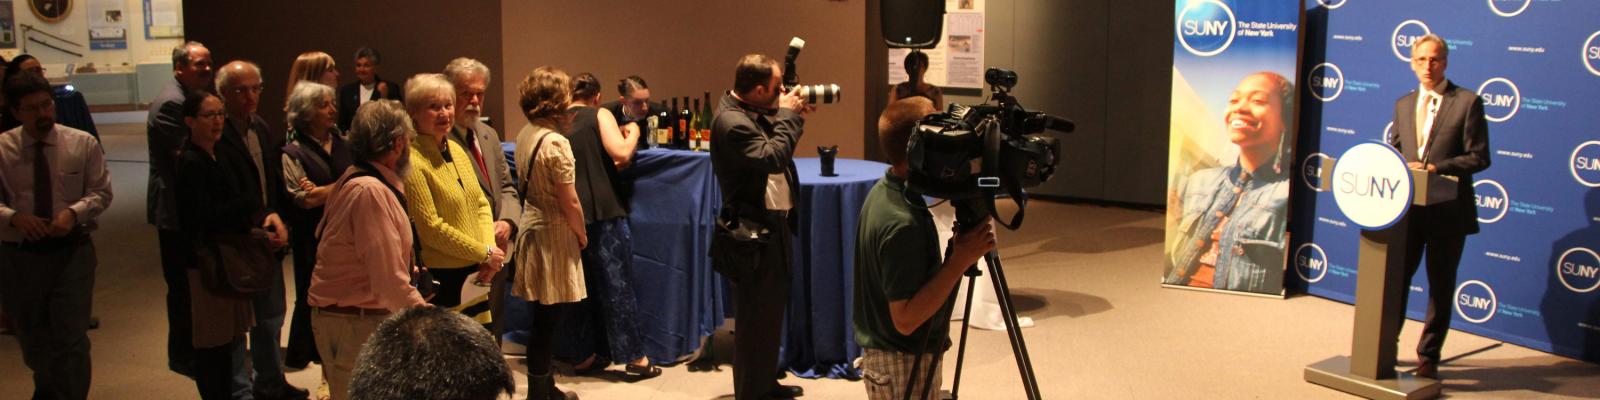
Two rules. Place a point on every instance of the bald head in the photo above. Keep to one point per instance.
(896, 124)
(240, 84)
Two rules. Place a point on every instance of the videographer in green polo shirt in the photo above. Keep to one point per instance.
(901, 282)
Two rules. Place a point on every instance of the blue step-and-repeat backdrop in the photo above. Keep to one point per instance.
(1532, 277)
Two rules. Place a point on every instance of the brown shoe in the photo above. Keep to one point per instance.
(1428, 369)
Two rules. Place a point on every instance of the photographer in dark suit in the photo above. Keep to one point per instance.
(753, 134)
(1448, 123)
(367, 87)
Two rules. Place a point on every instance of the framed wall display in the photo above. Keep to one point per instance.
(50, 11)
(8, 26)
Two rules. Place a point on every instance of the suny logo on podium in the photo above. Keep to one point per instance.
(1206, 27)
(1325, 82)
(1311, 262)
(1475, 301)
(1509, 8)
(1405, 35)
(1332, 4)
(1579, 270)
(1586, 163)
(1371, 185)
(1493, 200)
(1501, 99)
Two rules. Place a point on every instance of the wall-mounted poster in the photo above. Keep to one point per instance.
(163, 19)
(958, 59)
(108, 26)
(1232, 144)
(8, 25)
(50, 11)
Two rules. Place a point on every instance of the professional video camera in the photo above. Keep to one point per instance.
(813, 94)
(968, 153)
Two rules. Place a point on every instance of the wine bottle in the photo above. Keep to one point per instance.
(685, 116)
(705, 121)
(659, 134)
(672, 125)
(694, 126)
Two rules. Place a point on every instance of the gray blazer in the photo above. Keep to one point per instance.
(501, 187)
(1457, 146)
(166, 133)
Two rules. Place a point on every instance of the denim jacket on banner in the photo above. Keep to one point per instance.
(1251, 253)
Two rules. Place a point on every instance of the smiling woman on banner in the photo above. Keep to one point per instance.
(1233, 216)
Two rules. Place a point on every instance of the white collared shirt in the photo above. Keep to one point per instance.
(366, 92)
(778, 193)
(79, 180)
(1428, 101)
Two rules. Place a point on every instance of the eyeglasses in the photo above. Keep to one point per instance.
(236, 90)
(212, 115)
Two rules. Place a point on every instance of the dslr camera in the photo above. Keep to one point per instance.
(813, 94)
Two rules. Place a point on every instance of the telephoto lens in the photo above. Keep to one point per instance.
(819, 94)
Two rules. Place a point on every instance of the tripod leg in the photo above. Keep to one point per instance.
(961, 351)
(1019, 347)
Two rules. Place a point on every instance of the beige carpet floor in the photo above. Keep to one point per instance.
(1087, 275)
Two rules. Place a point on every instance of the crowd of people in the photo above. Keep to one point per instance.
(389, 199)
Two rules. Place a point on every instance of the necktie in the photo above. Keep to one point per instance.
(1423, 111)
(477, 157)
(42, 189)
(1429, 113)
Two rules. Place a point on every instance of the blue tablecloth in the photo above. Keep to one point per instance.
(681, 299)
(819, 340)
(672, 214)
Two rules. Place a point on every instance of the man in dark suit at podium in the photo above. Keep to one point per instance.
(1446, 122)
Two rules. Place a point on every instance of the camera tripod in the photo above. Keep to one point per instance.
(968, 213)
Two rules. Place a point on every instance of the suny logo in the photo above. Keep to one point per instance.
(1372, 186)
(1311, 262)
(1501, 99)
(1206, 27)
(1586, 163)
(1326, 82)
(1493, 200)
(1332, 4)
(1579, 269)
(1591, 53)
(1405, 35)
(1311, 171)
(1509, 8)
(1475, 301)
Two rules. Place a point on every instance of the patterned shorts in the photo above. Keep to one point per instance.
(885, 373)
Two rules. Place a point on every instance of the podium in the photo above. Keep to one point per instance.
(1369, 370)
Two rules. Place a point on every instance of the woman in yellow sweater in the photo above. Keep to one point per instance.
(449, 211)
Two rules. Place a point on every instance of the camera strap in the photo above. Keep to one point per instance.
(1018, 196)
(365, 169)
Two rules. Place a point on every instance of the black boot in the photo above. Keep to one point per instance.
(543, 387)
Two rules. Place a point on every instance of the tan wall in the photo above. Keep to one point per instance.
(687, 48)
(413, 36)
